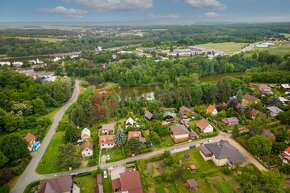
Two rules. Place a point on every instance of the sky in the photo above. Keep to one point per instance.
(145, 11)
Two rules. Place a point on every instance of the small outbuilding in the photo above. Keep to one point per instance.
(192, 184)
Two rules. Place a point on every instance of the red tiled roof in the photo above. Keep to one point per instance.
(202, 124)
(135, 134)
(210, 108)
(29, 137)
(263, 86)
(86, 145)
(116, 184)
(107, 139)
(131, 182)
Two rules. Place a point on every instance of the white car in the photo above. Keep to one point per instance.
(105, 174)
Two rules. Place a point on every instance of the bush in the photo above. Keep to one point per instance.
(4, 189)
(30, 186)
(92, 162)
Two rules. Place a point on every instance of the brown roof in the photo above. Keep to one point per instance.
(99, 188)
(148, 115)
(116, 184)
(86, 145)
(192, 183)
(184, 109)
(268, 134)
(29, 137)
(131, 182)
(263, 86)
(230, 120)
(202, 124)
(178, 129)
(99, 179)
(109, 127)
(56, 185)
(135, 134)
(210, 108)
(250, 98)
(107, 139)
(254, 112)
(193, 167)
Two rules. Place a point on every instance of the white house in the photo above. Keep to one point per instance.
(5, 63)
(283, 100)
(204, 126)
(85, 134)
(87, 149)
(274, 111)
(285, 86)
(130, 122)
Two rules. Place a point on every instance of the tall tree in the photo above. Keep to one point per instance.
(134, 145)
(120, 138)
(71, 133)
(3, 159)
(68, 156)
(260, 145)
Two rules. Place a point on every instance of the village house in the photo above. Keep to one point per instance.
(107, 141)
(108, 129)
(169, 115)
(286, 155)
(211, 110)
(148, 115)
(254, 113)
(130, 122)
(99, 184)
(274, 111)
(249, 100)
(265, 89)
(62, 184)
(179, 132)
(30, 139)
(185, 111)
(285, 86)
(204, 126)
(269, 135)
(284, 101)
(192, 184)
(137, 135)
(86, 149)
(128, 182)
(221, 153)
(231, 121)
(85, 134)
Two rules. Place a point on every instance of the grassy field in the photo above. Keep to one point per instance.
(48, 163)
(86, 183)
(107, 184)
(51, 40)
(216, 77)
(228, 47)
(115, 153)
(223, 187)
(279, 50)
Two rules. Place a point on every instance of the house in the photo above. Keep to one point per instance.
(87, 149)
(265, 89)
(148, 115)
(274, 111)
(221, 153)
(168, 115)
(269, 135)
(85, 134)
(185, 111)
(285, 86)
(137, 135)
(130, 122)
(283, 100)
(286, 155)
(179, 132)
(128, 182)
(192, 184)
(107, 141)
(99, 184)
(30, 139)
(62, 184)
(204, 126)
(211, 110)
(192, 168)
(231, 121)
(254, 113)
(108, 128)
(249, 100)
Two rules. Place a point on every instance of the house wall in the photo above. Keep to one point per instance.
(87, 152)
(205, 158)
(184, 136)
(84, 137)
(208, 129)
(107, 146)
(214, 112)
(220, 162)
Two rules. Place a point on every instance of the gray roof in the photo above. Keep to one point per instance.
(223, 149)
(148, 115)
(274, 109)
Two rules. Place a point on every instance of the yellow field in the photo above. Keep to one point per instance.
(52, 40)
(228, 47)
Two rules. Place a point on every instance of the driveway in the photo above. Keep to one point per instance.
(29, 175)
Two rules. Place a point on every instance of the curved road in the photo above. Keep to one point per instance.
(29, 175)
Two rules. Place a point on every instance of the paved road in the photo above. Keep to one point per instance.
(29, 175)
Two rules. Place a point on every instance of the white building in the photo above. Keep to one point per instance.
(85, 134)
(87, 149)
(5, 63)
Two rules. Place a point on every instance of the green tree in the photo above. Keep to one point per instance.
(236, 132)
(155, 138)
(68, 156)
(71, 133)
(272, 182)
(120, 138)
(3, 159)
(134, 145)
(14, 147)
(260, 145)
(38, 106)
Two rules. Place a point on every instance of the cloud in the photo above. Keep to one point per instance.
(109, 5)
(213, 4)
(168, 16)
(65, 12)
(211, 14)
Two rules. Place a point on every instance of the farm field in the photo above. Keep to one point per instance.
(228, 47)
(51, 40)
(216, 77)
(279, 50)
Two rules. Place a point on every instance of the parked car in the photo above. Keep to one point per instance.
(105, 174)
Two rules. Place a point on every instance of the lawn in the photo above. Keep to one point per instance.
(51, 40)
(279, 50)
(228, 47)
(116, 154)
(217, 77)
(223, 187)
(107, 184)
(48, 163)
(86, 183)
